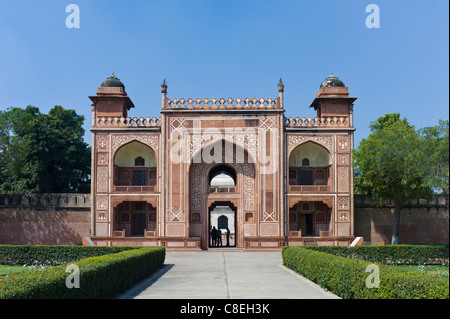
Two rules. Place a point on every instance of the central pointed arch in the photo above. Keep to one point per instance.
(236, 185)
(229, 150)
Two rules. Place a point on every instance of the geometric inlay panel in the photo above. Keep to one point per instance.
(343, 229)
(269, 229)
(343, 203)
(343, 145)
(343, 182)
(102, 158)
(102, 143)
(102, 179)
(249, 230)
(175, 229)
(343, 159)
(102, 202)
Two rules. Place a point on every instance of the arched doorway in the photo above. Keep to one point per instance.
(222, 223)
(310, 218)
(135, 218)
(230, 179)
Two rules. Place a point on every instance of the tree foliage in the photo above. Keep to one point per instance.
(392, 162)
(43, 153)
(436, 146)
(396, 163)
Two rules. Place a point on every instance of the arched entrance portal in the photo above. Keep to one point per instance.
(222, 225)
(222, 192)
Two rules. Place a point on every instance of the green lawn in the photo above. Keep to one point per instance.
(441, 270)
(8, 270)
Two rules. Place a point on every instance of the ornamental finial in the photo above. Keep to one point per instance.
(280, 86)
(164, 87)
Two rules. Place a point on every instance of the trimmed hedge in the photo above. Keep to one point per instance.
(347, 277)
(29, 255)
(391, 254)
(100, 277)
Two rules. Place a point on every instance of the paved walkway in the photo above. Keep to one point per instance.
(226, 275)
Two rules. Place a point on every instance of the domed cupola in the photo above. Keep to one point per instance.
(111, 99)
(332, 81)
(333, 101)
(112, 81)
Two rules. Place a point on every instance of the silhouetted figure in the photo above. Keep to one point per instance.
(219, 237)
(214, 236)
(211, 238)
(228, 237)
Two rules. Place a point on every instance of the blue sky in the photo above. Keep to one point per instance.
(211, 48)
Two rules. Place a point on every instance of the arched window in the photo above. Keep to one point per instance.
(222, 222)
(222, 174)
(305, 162)
(139, 161)
(222, 178)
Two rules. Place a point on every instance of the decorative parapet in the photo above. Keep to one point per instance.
(333, 122)
(222, 104)
(127, 122)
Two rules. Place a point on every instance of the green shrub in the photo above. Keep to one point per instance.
(51, 255)
(391, 254)
(347, 277)
(100, 277)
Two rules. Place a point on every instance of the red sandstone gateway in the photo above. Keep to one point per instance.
(236, 164)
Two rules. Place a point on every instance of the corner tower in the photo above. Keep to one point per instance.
(319, 185)
(125, 175)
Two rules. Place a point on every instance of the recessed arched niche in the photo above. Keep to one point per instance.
(135, 166)
(127, 155)
(309, 164)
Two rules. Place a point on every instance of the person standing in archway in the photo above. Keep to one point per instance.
(214, 236)
(228, 237)
(219, 237)
(211, 236)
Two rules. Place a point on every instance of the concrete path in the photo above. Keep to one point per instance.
(226, 275)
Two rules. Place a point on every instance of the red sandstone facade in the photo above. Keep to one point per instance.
(162, 181)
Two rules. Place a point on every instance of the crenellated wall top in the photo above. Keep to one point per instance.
(62, 200)
(69, 200)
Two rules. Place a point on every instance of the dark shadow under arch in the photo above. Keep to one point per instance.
(222, 168)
